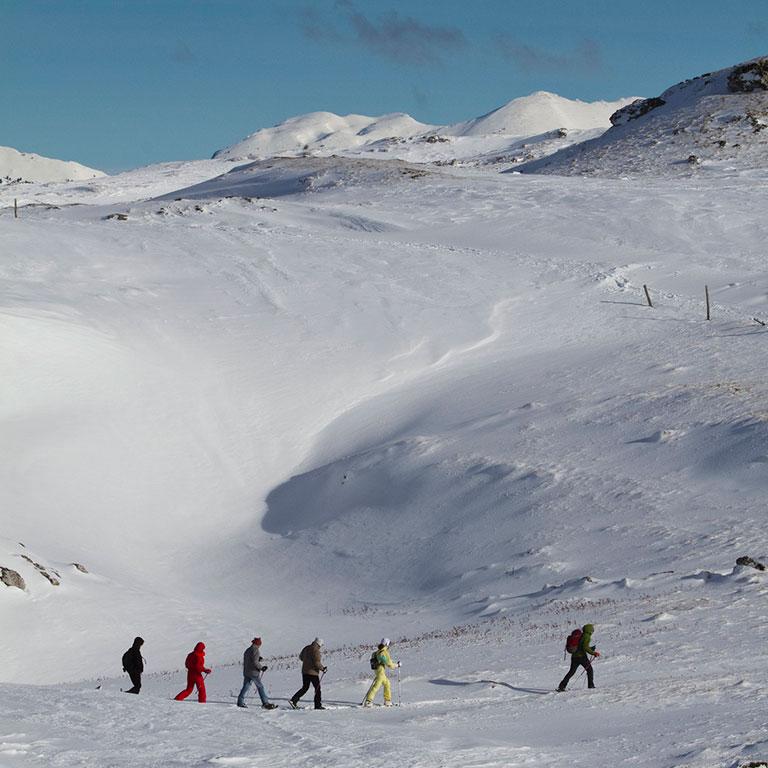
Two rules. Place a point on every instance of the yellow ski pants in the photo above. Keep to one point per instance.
(378, 681)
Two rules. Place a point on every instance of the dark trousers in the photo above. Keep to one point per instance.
(576, 662)
(308, 680)
(136, 680)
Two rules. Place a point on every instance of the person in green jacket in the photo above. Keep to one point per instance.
(580, 658)
(384, 661)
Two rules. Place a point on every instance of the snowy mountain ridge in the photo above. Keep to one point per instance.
(500, 131)
(18, 167)
(716, 120)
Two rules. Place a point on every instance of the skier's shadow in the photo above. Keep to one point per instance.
(492, 683)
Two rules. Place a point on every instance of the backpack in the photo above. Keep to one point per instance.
(127, 661)
(573, 642)
(375, 660)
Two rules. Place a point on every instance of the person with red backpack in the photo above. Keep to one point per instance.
(195, 665)
(579, 646)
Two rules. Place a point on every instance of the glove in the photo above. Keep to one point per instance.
(264, 668)
(125, 670)
(596, 654)
(207, 671)
(398, 665)
(325, 669)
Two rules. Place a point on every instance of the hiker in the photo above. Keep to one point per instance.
(195, 664)
(312, 670)
(133, 664)
(382, 661)
(580, 657)
(252, 669)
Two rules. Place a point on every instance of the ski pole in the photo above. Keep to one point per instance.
(399, 698)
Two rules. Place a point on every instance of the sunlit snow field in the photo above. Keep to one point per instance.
(368, 398)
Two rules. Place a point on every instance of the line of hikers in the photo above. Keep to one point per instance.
(578, 645)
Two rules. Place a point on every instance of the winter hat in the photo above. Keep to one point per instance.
(319, 641)
(384, 641)
(256, 640)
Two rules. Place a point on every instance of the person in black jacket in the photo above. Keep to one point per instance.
(133, 664)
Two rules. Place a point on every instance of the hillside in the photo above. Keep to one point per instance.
(525, 127)
(16, 167)
(717, 120)
(364, 396)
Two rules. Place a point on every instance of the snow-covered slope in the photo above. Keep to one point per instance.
(323, 132)
(538, 113)
(717, 120)
(502, 135)
(354, 398)
(18, 166)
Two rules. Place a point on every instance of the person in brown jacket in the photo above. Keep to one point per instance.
(312, 671)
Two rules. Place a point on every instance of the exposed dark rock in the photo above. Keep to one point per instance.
(80, 567)
(749, 77)
(118, 216)
(41, 569)
(11, 578)
(744, 560)
(636, 109)
(693, 160)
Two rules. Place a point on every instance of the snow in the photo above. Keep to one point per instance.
(356, 397)
(697, 126)
(16, 167)
(524, 128)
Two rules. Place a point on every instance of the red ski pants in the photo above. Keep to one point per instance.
(193, 679)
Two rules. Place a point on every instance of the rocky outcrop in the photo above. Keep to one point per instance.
(53, 577)
(12, 578)
(752, 76)
(80, 567)
(752, 563)
(636, 109)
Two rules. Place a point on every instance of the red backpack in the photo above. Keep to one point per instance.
(573, 641)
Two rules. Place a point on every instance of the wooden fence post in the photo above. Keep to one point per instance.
(706, 296)
(647, 295)
(15, 208)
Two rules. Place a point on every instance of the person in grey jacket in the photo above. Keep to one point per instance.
(253, 667)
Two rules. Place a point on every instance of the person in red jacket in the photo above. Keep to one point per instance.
(195, 665)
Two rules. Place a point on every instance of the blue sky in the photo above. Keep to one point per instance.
(119, 83)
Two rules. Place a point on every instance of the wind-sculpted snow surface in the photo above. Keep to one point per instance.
(429, 406)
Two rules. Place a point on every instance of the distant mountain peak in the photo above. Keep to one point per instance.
(16, 167)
